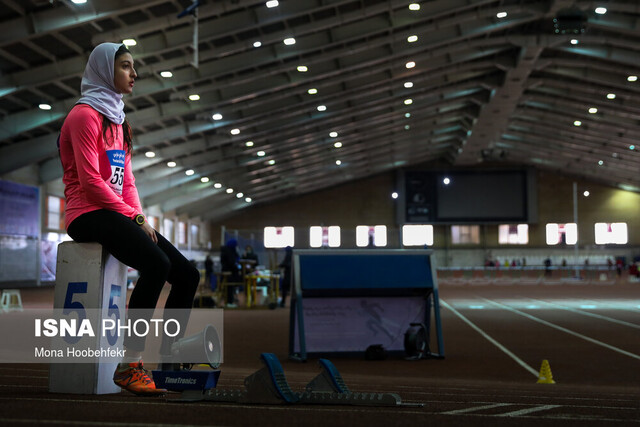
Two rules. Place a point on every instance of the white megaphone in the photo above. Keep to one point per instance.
(203, 347)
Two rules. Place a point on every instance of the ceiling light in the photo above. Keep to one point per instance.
(261, 153)
(302, 68)
(194, 97)
(407, 127)
(150, 154)
(632, 147)
(217, 116)
(611, 96)
(272, 3)
(574, 41)
(166, 74)
(407, 115)
(410, 64)
(394, 195)
(593, 110)
(129, 42)
(632, 78)
(412, 39)
(601, 10)
(45, 107)
(600, 163)
(271, 162)
(501, 15)
(189, 172)
(247, 199)
(333, 134)
(204, 179)
(229, 190)
(235, 131)
(586, 193)
(239, 195)
(414, 6)
(217, 185)
(312, 91)
(257, 44)
(289, 41)
(171, 164)
(249, 143)
(408, 85)
(338, 144)
(408, 101)
(338, 162)
(322, 108)
(78, 1)
(577, 123)
(446, 181)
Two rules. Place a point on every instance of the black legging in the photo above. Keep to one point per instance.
(156, 263)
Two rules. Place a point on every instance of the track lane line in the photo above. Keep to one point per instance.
(474, 408)
(568, 331)
(587, 313)
(527, 411)
(490, 339)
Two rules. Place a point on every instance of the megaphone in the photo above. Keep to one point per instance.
(203, 347)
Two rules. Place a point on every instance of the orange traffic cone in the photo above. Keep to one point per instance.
(545, 376)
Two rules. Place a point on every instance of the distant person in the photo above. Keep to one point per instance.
(285, 265)
(564, 262)
(249, 254)
(208, 271)
(547, 267)
(229, 263)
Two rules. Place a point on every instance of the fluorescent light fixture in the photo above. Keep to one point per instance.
(574, 41)
(632, 78)
(194, 97)
(45, 107)
(166, 74)
(338, 162)
(272, 3)
(189, 172)
(171, 164)
(586, 193)
(312, 91)
(632, 147)
(150, 154)
(407, 115)
(249, 143)
(289, 41)
(410, 64)
(204, 179)
(338, 144)
(408, 101)
(600, 163)
(78, 1)
(217, 185)
(261, 153)
(446, 181)
(322, 108)
(271, 162)
(217, 116)
(611, 96)
(229, 190)
(235, 131)
(239, 195)
(407, 127)
(302, 68)
(333, 134)
(601, 10)
(129, 42)
(257, 44)
(394, 195)
(414, 6)
(408, 85)
(501, 15)
(593, 110)
(247, 199)
(412, 39)
(577, 123)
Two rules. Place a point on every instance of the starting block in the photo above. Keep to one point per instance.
(270, 386)
(11, 300)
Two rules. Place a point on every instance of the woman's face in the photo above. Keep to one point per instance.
(124, 74)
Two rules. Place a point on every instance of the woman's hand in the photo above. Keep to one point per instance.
(150, 232)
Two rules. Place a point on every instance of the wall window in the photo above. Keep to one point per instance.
(153, 222)
(55, 213)
(614, 232)
(322, 237)
(368, 235)
(168, 230)
(278, 237)
(182, 233)
(562, 233)
(465, 234)
(512, 234)
(417, 235)
(194, 235)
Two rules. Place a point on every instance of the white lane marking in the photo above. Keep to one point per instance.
(568, 331)
(14, 421)
(527, 411)
(587, 313)
(475, 408)
(490, 339)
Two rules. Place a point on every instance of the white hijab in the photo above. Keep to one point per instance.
(97, 86)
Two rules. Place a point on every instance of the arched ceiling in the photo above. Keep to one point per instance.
(485, 89)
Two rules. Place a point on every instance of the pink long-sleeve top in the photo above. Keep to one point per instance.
(96, 173)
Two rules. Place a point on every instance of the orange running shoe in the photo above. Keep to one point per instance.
(134, 378)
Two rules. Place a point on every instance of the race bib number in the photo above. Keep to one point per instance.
(116, 160)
